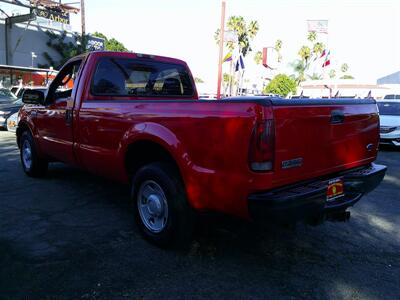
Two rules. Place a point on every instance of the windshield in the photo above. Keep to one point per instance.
(18, 102)
(389, 108)
(7, 96)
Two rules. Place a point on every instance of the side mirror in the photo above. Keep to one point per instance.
(33, 97)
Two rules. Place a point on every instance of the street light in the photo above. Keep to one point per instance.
(33, 57)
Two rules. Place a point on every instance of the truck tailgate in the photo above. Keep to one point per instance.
(319, 137)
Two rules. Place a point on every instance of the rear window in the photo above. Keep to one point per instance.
(138, 78)
(389, 108)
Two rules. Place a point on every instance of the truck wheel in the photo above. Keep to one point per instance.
(162, 212)
(33, 165)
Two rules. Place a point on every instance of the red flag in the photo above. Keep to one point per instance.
(327, 61)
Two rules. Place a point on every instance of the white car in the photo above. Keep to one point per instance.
(12, 122)
(389, 112)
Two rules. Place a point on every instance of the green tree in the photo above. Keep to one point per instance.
(299, 68)
(315, 76)
(344, 68)
(111, 44)
(278, 48)
(228, 80)
(258, 57)
(312, 36)
(64, 49)
(245, 33)
(305, 54)
(198, 80)
(346, 76)
(281, 85)
(318, 48)
(332, 74)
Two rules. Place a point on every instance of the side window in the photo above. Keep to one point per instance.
(133, 77)
(63, 84)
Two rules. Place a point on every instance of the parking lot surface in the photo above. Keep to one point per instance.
(71, 235)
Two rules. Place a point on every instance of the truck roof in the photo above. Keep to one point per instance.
(138, 55)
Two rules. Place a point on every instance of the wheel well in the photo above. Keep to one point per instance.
(144, 152)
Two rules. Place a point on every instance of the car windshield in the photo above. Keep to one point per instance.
(7, 96)
(18, 102)
(389, 108)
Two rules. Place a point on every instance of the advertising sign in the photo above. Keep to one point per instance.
(55, 16)
(319, 26)
(95, 44)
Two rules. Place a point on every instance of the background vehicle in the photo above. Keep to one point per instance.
(392, 97)
(10, 107)
(137, 119)
(12, 122)
(389, 111)
(6, 96)
(7, 109)
(18, 91)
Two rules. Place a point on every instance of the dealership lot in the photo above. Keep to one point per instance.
(71, 236)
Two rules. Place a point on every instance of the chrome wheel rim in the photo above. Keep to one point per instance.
(27, 154)
(152, 205)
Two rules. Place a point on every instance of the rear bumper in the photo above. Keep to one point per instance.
(307, 201)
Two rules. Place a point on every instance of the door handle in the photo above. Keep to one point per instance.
(68, 116)
(337, 117)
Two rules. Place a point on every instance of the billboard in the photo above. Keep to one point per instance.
(55, 16)
(319, 26)
(95, 44)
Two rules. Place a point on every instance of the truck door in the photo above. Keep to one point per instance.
(54, 119)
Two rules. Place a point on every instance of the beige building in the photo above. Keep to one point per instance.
(344, 88)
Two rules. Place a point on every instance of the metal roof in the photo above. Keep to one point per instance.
(26, 69)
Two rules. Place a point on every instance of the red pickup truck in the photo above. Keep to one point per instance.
(137, 119)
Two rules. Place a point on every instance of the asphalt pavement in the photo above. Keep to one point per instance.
(71, 235)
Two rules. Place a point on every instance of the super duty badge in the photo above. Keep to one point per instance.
(292, 163)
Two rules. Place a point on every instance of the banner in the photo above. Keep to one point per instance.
(319, 26)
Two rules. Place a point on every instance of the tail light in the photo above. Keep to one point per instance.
(262, 146)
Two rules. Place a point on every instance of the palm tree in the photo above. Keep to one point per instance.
(299, 68)
(344, 68)
(318, 48)
(312, 36)
(278, 47)
(315, 76)
(332, 74)
(305, 53)
(258, 57)
(246, 33)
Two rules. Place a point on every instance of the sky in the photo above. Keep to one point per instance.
(365, 34)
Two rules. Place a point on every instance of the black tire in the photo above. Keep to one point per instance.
(38, 166)
(178, 228)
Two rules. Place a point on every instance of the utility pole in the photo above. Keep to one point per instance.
(221, 49)
(83, 17)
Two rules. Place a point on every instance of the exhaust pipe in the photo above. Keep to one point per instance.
(338, 216)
